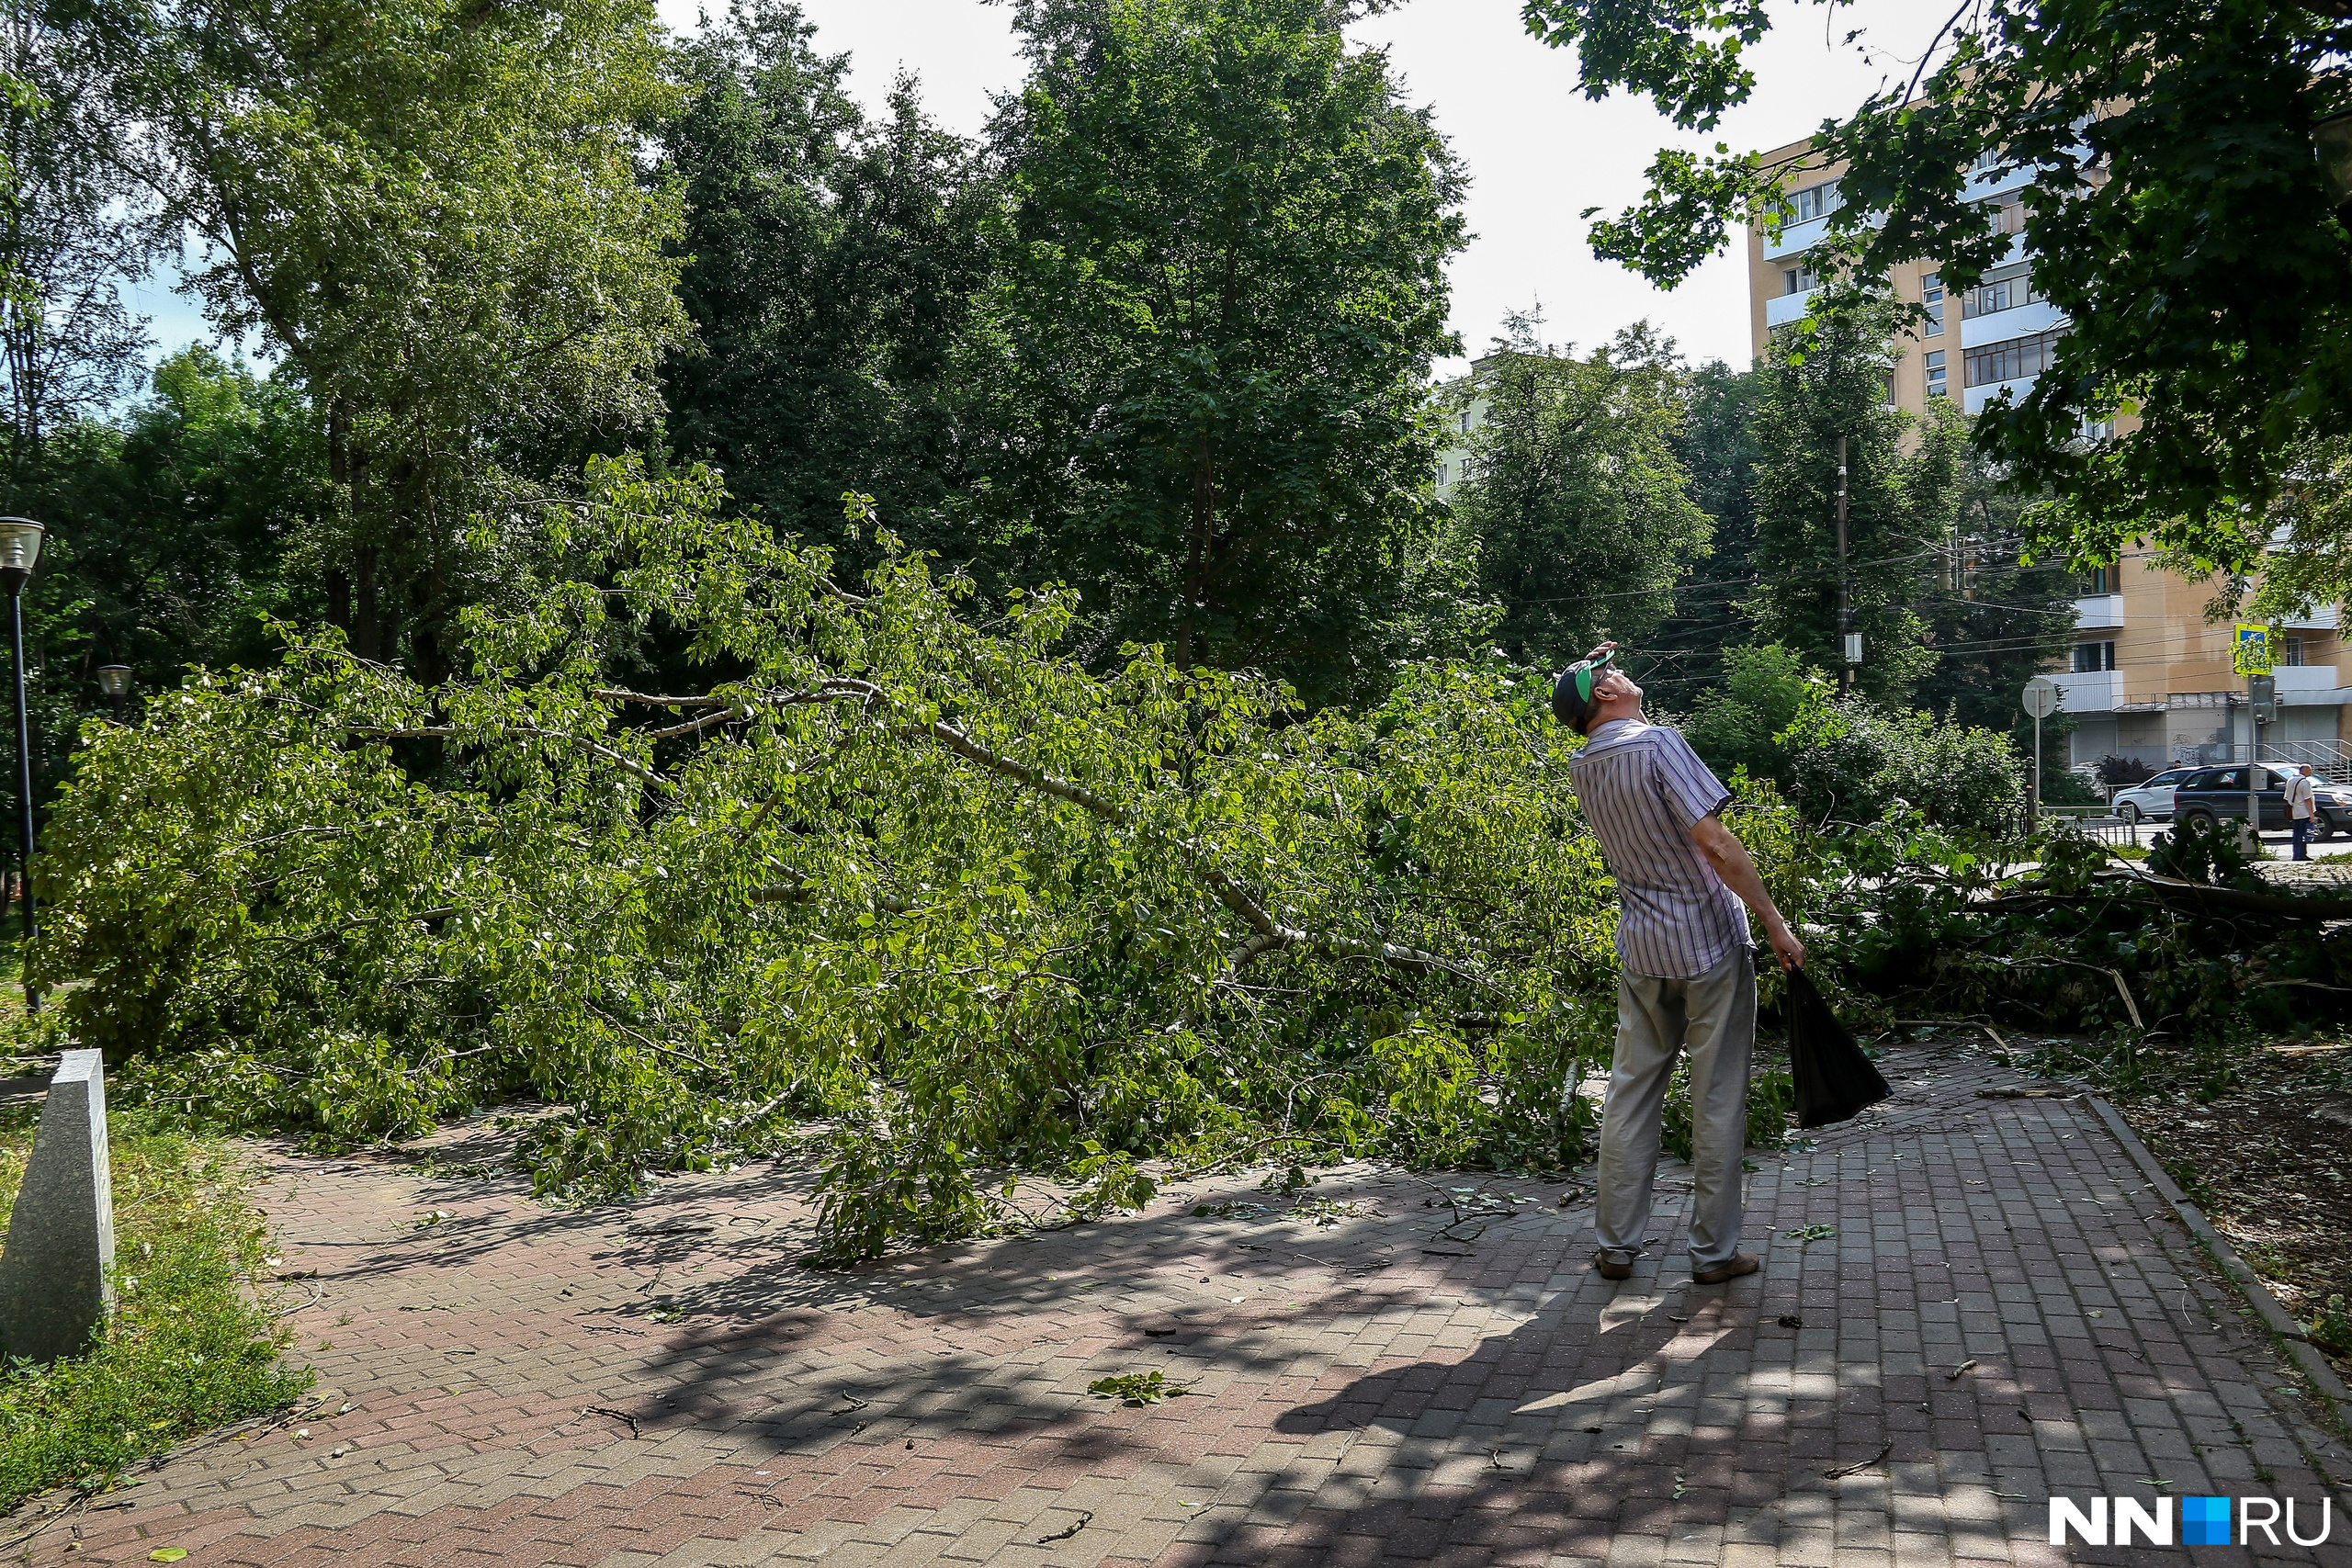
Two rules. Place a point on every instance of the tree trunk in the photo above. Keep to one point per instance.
(367, 623)
(337, 583)
(1196, 563)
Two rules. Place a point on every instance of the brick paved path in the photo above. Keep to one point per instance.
(522, 1390)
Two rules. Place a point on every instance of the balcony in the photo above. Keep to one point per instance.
(2019, 320)
(1797, 237)
(1782, 309)
(2099, 612)
(1977, 396)
(2297, 678)
(2319, 618)
(1996, 182)
(2099, 691)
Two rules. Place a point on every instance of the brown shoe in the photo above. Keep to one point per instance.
(1610, 1269)
(1741, 1263)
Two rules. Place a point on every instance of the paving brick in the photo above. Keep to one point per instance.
(516, 1403)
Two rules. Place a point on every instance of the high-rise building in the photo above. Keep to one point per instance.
(2150, 677)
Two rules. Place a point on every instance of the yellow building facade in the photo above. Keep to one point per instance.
(2150, 677)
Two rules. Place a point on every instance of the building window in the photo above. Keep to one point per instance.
(2099, 579)
(1985, 160)
(2091, 658)
(1799, 279)
(2011, 361)
(2098, 429)
(2293, 647)
(1938, 386)
(1465, 422)
(1932, 295)
(1440, 476)
(1814, 201)
(2007, 215)
(2004, 294)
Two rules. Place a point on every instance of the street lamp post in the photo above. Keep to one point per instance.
(114, 680)
(2332, 138)
(19, 549)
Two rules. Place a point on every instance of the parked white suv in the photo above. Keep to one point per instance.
(2151, 800)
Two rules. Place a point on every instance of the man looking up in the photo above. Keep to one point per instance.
(1688, 980)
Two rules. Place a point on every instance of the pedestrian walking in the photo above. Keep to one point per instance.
(2302, 805)
(1688, 980)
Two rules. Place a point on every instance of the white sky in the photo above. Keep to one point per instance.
(1537, 152)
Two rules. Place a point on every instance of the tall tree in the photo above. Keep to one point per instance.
(2173, 209)
(1204, 367)
(832, 267)
(1998, 614)
(1717, 445)
(1829, 382)
(1577, 497)
(172, 527)
(74, 228)
(433, 210)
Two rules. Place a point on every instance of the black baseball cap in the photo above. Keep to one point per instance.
(1572, 693)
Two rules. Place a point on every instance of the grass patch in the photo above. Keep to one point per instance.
(190, 1349)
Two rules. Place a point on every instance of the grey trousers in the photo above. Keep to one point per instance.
(1712, 1020)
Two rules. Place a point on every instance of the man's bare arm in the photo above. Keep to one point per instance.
(1737, 868)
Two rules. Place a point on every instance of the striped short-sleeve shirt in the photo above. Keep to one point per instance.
(1643, 789)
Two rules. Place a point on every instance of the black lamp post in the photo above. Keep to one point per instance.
(114, 680)
(2332, 138)
(19, 549)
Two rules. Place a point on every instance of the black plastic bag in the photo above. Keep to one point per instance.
(1834, 1079)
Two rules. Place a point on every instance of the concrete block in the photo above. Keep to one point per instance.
(55, 1288)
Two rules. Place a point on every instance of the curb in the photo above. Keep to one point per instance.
(2289, 1334)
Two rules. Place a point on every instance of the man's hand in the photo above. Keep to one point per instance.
(1786, 946)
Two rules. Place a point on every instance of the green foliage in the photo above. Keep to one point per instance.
(169, 528)
(2065, 786)
(916, 875)
(1575, 484)
(1823, 382)
(1718, 447)
(1994, 617)
(1138, 1389)
(1850, 760)
(1201, 379)
(2172, 206)
(1923, 925)
(190, 1348)
(436, 214)
(2331, 1328)
(1737, 725)
(75, 226)
(831, 264)
(2205, 850)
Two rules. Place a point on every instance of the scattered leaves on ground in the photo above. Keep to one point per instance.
(1137, 1389)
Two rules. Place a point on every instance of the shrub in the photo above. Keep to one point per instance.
(1736, 725)
(1852, 761)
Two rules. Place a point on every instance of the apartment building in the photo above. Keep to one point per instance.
(2150, 677)
(1461, 417)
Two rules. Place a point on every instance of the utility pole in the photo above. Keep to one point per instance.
(1846, 652)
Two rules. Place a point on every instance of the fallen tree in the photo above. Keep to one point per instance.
(921, 879)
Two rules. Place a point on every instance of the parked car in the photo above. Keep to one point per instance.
(2212, 794)
(2150, 798)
